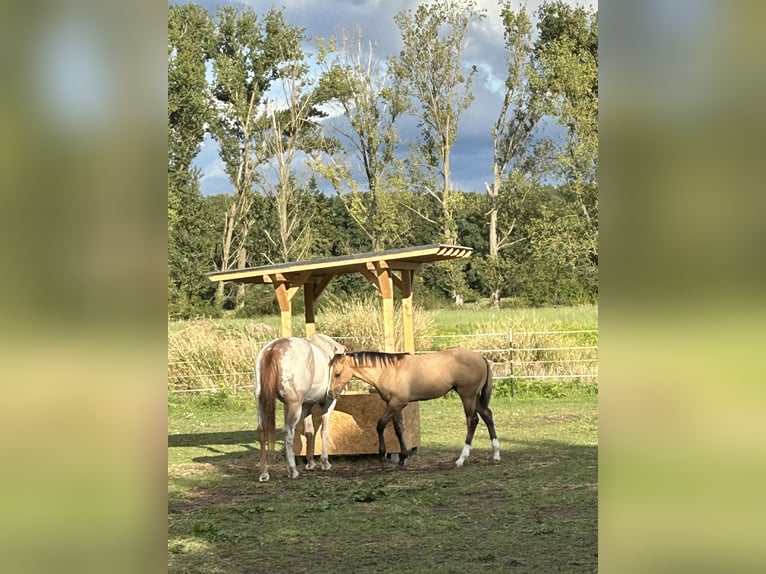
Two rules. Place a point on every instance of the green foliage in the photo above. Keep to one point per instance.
(429, 69)
(371, 102)
(368, 491)
(190, 31)
(546, 235)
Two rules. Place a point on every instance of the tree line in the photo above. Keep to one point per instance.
(306, 185)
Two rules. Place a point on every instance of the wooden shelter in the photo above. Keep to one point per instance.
(384, 269)
(353, 427)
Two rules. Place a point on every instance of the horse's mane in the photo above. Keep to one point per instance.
(373, 358)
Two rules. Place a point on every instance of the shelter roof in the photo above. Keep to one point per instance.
(313, 270)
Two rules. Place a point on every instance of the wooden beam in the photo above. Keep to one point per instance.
(396, 280)
(370, 273)
(408, 324)
(403, 265)
(298, 278)
(321, 285)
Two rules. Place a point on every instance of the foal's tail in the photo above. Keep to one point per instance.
(267, 406)
(486, 390)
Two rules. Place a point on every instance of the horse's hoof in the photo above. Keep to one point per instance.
(403, 461)
(459, 463)
(326, 466)
(496, 458)
(310, 465)
(264, 477)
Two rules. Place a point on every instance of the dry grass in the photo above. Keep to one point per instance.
(541, 347)
(359, 325)
(220, 354)
(207, 354)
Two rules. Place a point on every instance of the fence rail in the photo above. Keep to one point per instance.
(516, 355)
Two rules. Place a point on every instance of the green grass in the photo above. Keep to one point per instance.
(468, 320)
(453, 320)
(536, 511)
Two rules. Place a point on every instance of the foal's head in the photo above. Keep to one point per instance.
(340, 372)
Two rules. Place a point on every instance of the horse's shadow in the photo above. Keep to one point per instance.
(248, 443)
(209, 441)
(208, 438)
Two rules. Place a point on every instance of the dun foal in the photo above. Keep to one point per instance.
(402, 378)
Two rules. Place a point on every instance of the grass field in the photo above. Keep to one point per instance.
(535, 511)
(219, 353)
(453, 320)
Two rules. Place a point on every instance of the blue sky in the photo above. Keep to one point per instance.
(472, 154)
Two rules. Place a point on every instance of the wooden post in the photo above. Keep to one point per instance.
(386, 285)
(285, 309)
(308, 299)
(408, 325)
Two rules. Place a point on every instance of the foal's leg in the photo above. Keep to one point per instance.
(399, 429)
(486, 416)
(471, 420)
(326, 435)
(308, 432)
(381, 427)
(292, 416)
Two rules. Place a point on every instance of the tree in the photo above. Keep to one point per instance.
(512, 134)
(430, 69)
(190, 31)
(355, 81)
(293, 131)
(567, 50)
(246, 60)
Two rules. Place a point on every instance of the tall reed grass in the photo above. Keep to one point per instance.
(359, 325)
(220, 355)
(208, 354)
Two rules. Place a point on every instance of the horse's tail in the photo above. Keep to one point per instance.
(267, 401)
(486, 390)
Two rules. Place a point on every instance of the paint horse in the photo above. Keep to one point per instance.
(401, 378)
(296, 372)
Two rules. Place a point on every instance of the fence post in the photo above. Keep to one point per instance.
(510, 355)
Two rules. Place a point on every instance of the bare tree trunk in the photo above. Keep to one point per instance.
(493, 193)
(448, 227)
(241, 264)
(226, 241)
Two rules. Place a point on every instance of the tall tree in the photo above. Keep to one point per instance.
(363, 89)
(512, 134)
(292, 134)
(190, 32)
(246, 60)
(567, 49)
(430, 68)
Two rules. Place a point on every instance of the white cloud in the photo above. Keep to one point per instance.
(376, 20)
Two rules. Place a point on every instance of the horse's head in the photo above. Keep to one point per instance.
(340, 372)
